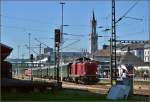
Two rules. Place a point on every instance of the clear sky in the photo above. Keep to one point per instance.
(40, 18)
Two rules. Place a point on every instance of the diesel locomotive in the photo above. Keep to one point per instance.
(82, 70)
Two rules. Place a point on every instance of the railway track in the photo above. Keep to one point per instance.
(101, 87)
(104, 88)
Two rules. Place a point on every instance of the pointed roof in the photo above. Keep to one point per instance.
(93, 16)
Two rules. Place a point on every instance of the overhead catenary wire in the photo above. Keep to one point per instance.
(25, 19)
(28, 19)
(133, 33)
(127, 11)
(31, 49)
(46, 38)
(23, 28)
(67, 39)
(135, 18)
(124, 16)
(74, 34)
(40, 22)
(41, 42)
(38, 30)
(73, 48)
(70, 44)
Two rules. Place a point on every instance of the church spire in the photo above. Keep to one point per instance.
(93, 36)
(93, 16)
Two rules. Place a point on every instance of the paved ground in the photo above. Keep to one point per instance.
(141, 79)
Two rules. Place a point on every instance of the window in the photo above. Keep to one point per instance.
(139, 52)
(148, 59)
(145, 59)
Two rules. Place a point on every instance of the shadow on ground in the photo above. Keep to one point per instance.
(61, 95)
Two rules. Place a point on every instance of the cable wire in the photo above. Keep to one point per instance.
(127, 11)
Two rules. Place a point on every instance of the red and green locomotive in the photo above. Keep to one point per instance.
(83, 70)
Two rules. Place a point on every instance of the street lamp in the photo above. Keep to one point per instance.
(29, 44)
(29, 52)
(18, 60)
(62, 5)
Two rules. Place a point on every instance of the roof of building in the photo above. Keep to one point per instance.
(104, 53)
(124, 47)
(130, 58)
(147, 45)
(5, 51)
(133, 46)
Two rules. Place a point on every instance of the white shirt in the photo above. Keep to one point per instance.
(145, 73)
(124, 75)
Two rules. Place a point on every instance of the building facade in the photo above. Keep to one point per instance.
(136, 49)
(147, 53)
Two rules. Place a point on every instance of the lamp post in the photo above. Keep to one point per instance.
(29, 44)
(62, 5)
(62, 14)
(29, 52)
(18, 60)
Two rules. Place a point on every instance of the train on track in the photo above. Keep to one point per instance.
(82, 70)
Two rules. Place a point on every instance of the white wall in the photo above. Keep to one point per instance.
(143, 68)
(137, 52)
(146, 55)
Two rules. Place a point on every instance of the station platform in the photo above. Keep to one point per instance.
(28, 85)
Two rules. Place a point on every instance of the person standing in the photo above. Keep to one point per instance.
(104, 74)
(124, 75)
(145, 75)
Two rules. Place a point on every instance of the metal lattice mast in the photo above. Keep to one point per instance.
(113, 44)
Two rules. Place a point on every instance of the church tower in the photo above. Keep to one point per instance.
(93, 36)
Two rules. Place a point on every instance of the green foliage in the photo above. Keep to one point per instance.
(63, 95)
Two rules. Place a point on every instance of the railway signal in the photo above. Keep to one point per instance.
(57, 48)
(31, 59)
(57, 35)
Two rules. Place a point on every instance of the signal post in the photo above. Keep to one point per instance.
(57, 55)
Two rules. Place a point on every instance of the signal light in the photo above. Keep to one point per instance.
(31, 57)
(57, 35)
